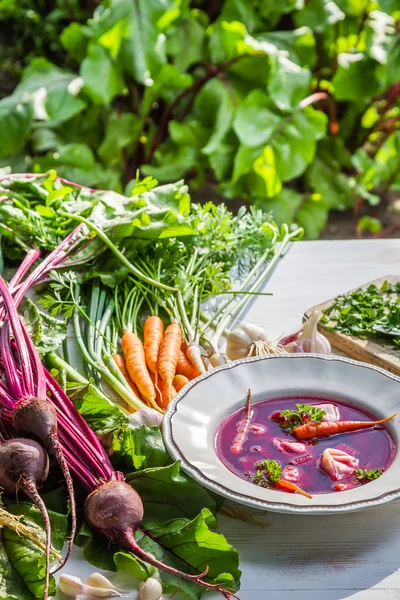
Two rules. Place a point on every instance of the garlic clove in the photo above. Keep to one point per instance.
(98, 580)
(151, 589)
(101, 592)
(70, 585)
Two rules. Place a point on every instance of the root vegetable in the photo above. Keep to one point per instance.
(24, 466)
(115, 509)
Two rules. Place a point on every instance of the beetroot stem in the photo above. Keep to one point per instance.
(58, 453)
(61, 399)
(13, 317)
(30, 490)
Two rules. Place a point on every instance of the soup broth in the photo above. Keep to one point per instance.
(302, 461)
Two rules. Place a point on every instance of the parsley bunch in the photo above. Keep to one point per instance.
(367, 313)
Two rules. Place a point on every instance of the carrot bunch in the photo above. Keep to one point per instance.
(157, 368)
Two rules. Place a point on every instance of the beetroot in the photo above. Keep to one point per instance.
(31, 413)
(115, 509)
(24, 466)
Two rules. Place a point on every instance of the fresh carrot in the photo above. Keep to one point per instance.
(133, 350)
(185, 367)
(194, 355)
(241, 436)
(169, 353)
(292, 486)
(121, 364)
(179, 381)
(153, 335)
(312, 430)
(163, 392)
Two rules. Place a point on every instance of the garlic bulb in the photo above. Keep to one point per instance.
(145, 416)
(72, 586)
(249, 340)
(151, 589)
(309, 339)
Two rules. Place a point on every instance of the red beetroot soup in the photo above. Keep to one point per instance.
(301, 460)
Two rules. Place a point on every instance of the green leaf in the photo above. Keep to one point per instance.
(25, 557)
(186, 42)
(140, 448)
(265, 167)
(121, 131)
(16, 119)
(336, 189)
(189, 133)
(112, 39)
(224, 40)
(350, 81)
(143, 47)
(369, 224)
(101, 75)
(193, 543)
(255, 122)
(295, 146)
(102, 415)
(173, 161)
(312, 216)
(223, 121)
(12, 586)
(288, 83)
(55, 91)
(390, 6)
(61, 105)
(79, 155)
(319, 15)
(46, 332)
(244, 161)
(74, 40)
(243, 11)
(283, 207)
(181, 496)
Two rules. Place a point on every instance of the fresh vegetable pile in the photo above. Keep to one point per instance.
(142, 281)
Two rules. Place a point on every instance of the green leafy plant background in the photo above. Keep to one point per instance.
(292, 106)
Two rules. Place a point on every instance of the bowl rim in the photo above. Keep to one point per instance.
(251, 501)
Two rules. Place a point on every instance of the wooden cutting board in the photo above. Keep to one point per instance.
(364, 350)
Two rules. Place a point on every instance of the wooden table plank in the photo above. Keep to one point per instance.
(297, 557)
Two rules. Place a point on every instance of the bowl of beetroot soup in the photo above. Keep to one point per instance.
(296, 433)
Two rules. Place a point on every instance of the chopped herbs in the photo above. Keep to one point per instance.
(365, 475)
(304, 413)
(367, 313)
(268, 473)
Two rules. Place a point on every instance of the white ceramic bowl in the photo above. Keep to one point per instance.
(192, 419)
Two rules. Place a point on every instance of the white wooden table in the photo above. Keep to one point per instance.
(297, 557)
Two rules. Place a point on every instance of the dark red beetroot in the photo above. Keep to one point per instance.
(31, 412)
(115, 509)
(24, 466)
